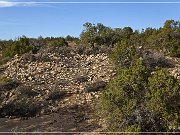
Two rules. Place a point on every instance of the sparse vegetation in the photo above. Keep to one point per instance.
(8, 84)
(3, 79)
(55, 95)
(97, 86)
(21, 46)
(141, 97)
(123, 54)
(26, 91)
(20, 108)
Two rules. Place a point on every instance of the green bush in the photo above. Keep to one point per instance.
(57, 42)
(175, 49)
(123, 54)
(163, 99)
(19, 47)
(71, 39)
(3, 60)
(138, 99)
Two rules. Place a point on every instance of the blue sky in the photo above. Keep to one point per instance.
(57, 20)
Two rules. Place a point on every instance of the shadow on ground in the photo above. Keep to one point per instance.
(68, 119)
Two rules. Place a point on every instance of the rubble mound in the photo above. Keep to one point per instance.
(55, 79)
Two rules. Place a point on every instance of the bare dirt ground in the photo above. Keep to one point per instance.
(68, 119)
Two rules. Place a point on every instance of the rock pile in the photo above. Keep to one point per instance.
(78, 77)
(175, 71)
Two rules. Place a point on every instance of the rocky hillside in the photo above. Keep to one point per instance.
(57, 84)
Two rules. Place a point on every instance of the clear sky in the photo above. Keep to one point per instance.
(36, 19)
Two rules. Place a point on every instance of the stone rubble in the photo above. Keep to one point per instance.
(71, 74)
(176, 70)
